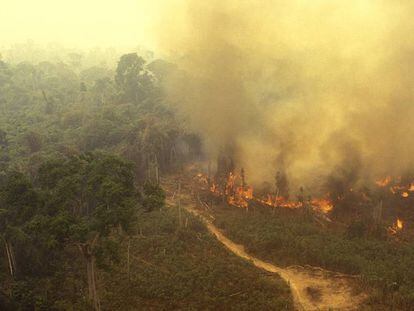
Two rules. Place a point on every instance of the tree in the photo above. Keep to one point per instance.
(153, 196)
(3, 139)
(5, 73)
(131, 77)
(33, 141)
(95, 195)
(18, 204)
(282, 185)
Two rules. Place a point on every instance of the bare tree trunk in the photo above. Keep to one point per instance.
(45, 98)
(86, 250)
(209, 175)
(128, 260)
(13, 259)
(148, 168)
(173, 156)
(92, 290)
(157, 176)
(96, 302)
(89, 273)
(179, 204)
(9, 258)
(275, 205)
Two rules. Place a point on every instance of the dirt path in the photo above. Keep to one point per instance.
(312, 288)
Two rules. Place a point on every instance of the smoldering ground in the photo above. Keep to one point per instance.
(313, 88)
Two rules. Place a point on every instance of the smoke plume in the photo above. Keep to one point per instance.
(311, 88)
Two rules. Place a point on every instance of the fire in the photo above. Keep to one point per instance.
(324, 205)
(384, 181)
(402, 190)
(230, 183)
(238, 194)
(246, 192)
(396, 227)
(214, 188)
(399, 224)
(396, 187)
(278, 201)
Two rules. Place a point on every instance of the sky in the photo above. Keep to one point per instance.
(82, 23)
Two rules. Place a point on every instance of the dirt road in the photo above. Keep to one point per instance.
(312, 288)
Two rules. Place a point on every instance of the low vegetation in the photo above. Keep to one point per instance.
(290, 238)
(187, 269)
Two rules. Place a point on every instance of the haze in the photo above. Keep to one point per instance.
(80, 23)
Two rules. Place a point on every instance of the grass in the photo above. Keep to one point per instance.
(288, 238)
(187, 269)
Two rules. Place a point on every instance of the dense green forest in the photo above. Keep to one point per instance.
(81, 149)
(83, 220)
(57, 108)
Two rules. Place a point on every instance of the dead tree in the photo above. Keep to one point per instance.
(243, 180)
(87, 251)
(10, 257)
(282, 186)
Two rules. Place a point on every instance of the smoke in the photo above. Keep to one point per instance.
(311, 88)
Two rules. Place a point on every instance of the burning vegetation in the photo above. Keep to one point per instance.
(385, 200)
(233, 188)
(396, 227)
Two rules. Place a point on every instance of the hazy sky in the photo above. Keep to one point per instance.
(81, 23)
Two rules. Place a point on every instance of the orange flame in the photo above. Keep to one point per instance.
(384, 181)
(324, 205)
(399, 224)
(240, 195)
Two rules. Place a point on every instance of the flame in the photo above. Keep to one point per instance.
(214, 188)
(235, 195)
(396, 227)
(399, 224)
(402, 190)
(324, 205)
(397, 188)
(240, 195)
(384, 181)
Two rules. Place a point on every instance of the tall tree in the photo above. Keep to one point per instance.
(95, 194)
(18, 204)
(131, 78)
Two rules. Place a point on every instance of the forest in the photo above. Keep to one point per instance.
(207, 155)
(83, 218)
